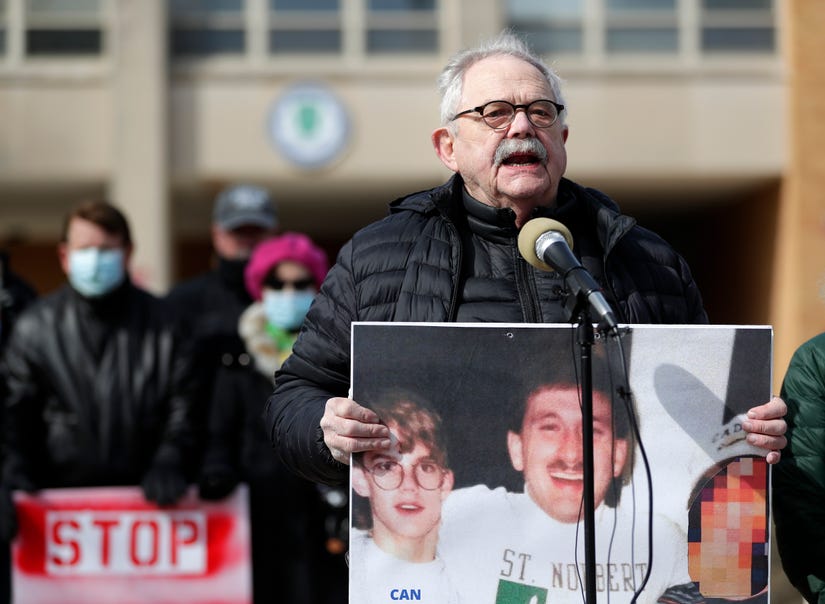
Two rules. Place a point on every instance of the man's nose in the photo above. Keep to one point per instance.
(521, 124)
(570, 449)
(408, 481)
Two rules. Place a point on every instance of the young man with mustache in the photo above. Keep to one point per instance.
(532, 545)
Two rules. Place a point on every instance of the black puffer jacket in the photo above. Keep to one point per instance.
(408, 267)
(98, 391)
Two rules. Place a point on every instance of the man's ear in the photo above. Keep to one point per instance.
(63, 256)
(443, 143)
(515, 450)
(448, 484)
(127, 256)
(360, 481)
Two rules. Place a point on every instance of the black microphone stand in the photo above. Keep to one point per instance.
(578, 309)
(585, 335)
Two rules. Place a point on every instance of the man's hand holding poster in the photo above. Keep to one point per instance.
(479, 499)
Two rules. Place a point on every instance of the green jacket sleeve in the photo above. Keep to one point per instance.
(799, 478)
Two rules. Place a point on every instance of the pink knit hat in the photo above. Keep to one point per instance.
(288, 246)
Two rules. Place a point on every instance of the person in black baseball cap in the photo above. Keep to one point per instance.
(245, 205)
(208, 306)
(243, 216)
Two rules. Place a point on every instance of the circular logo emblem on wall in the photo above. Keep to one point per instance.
(309, 125)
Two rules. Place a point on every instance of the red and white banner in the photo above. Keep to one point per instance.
(111, 545)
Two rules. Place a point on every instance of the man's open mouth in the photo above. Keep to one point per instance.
(520, 159)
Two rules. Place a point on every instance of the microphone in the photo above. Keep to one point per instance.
(547, 244)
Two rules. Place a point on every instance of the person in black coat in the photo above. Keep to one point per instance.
(15, 295)
(207, 307)
(451, 254)
(98, 383)
(282, 277)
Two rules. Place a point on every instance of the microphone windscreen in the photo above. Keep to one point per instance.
(530, 233)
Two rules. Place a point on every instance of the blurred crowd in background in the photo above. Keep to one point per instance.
(106, 384)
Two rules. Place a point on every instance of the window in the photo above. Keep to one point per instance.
(641, 26)
(744, 26)
(305, 26)
(63, 27)
(269, 30)
(401, 26)
(549, 28)
(3, 50)
(605, 30)
(207, 27)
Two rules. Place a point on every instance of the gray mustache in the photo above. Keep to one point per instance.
(511, 146)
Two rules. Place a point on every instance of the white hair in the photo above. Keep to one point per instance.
(451, 79)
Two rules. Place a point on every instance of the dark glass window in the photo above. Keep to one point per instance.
(3, 27)
(549, 39)
(737, 4)
(207, 28)
(401, 41)
(542, 9)
(402, 5)
(548, 27)
(738, 39)
(401, 26)
(205, 7)
(305, 5)
(305, 26)
(63, 42)
(744, 26)
(636, 5)
(205, 42)
(638, 39)
(64, 7)
(63, 27)
(304, 41)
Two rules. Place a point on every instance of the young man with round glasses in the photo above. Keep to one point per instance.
(393, 553)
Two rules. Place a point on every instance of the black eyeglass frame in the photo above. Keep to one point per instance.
(298, 284)
(480, 110)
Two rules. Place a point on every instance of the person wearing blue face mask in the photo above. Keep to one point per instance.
(99, 385)
(95, 271)
(282, 277)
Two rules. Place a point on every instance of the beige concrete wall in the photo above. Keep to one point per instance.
(55, 127)
(799, 312)
(139, 165)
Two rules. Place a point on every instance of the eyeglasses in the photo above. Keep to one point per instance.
(500, 114)
(389, 475)
(274, 283)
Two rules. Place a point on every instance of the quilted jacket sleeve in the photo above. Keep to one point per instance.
(319, 368)
(799, 478)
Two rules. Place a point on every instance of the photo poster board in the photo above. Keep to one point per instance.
(108, 544)
(690, 388)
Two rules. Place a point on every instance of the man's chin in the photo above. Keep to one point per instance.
(564, 516)
(529, 191)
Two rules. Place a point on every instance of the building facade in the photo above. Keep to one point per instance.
(702, 118)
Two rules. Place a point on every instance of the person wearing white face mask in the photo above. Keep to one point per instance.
(283, 276)
(99, 390)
